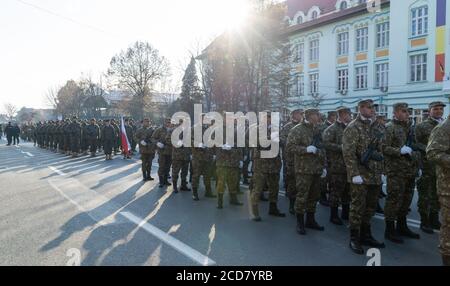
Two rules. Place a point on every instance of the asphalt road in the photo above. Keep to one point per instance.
(56, 210)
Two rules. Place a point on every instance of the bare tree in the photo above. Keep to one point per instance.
(138, 69)
(10, 110)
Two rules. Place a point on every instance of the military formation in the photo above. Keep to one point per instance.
(340, 161)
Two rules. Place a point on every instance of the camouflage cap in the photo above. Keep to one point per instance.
(436, 104)
(343, 109)
(311, 111)
(400, 105)
(365, 102)
(299, 110)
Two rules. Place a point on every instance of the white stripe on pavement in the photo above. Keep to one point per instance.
(170, 240)
(61, 173)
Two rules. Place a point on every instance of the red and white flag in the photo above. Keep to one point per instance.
(123, 133)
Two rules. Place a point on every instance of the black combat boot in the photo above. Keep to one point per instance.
(234, 200)
(166, 181)
(434, 221)
(312, 223)
(292, 206)
(149, 176)
(175, 188)
(274, 211)
(355, 242)
(144, 176)
(220, 201)
(345, 211)
(255, 211)
(161, 181)
(425, 224)
(184, 187)
(301, 224)
(195, 194)
(367, 238)
(334, 217)
(446, 260)
(391, 233)
(403, 229)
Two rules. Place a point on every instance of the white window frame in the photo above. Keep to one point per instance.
(419, 21)
(342, 77)
(362, 39)
(300, 53)
(383, 34)
(361, 77)
(343, 43)
(314, 46)
(381, 75)
(314, 83)
(418, 64)
(300, 85)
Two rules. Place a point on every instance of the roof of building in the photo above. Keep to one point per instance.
(325, 6)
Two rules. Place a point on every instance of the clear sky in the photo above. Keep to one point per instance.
(44, 46)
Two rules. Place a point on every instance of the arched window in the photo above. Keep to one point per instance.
(299, 20)
(314, 15)
(343, 5)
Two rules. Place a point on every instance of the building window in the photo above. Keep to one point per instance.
(382, 75)
(314, 15)
(314, 83)
(362, 1)
(314, 50)
(343, 5)
(299, 86)
(343, 43)
(362, 39)
(383, 35)
(418, 67)
(299, 20)
(361, 77)
(419, 21)
(342, 79)
(299, 53)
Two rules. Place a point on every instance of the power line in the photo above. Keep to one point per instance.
(47, 11)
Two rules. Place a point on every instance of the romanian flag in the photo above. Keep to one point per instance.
(123, 134)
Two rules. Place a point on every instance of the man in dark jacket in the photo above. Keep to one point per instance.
(9, 133)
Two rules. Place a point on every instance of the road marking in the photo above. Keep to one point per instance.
(170, 240)
(61, 173)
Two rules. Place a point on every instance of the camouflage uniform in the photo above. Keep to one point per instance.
(147, 152)
(92, 134)
(364, 197)
(227, 163)
(308, 167)
(117, 138)
(180, 162)
(401, 171)
(288, 161)
(108, 138)
(338, 185)
(324, 181)
(438, 152)
(428, 203)
(162, 135)
(202, 159)
(75, 135)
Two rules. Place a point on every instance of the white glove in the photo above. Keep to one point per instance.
(180, 143)
(226, 147)
(358, 180)
(160, 145)
(311, 149)
(406, 150)
(143, 143)
(324, 173)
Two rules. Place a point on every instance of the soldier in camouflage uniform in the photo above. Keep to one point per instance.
(75, 136)
(109, 139)
(202, 160)
(84, 146)
(324, 190)
(288, 160)
(146, 148)
(401, 169)
(117, 139)
(92, 134)
(428, 203)
(309, 161)
(338, 185)
(161, 137)
(266, 173)
(181, 156)
(438, 152)
(363, 179)
(66, 132)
